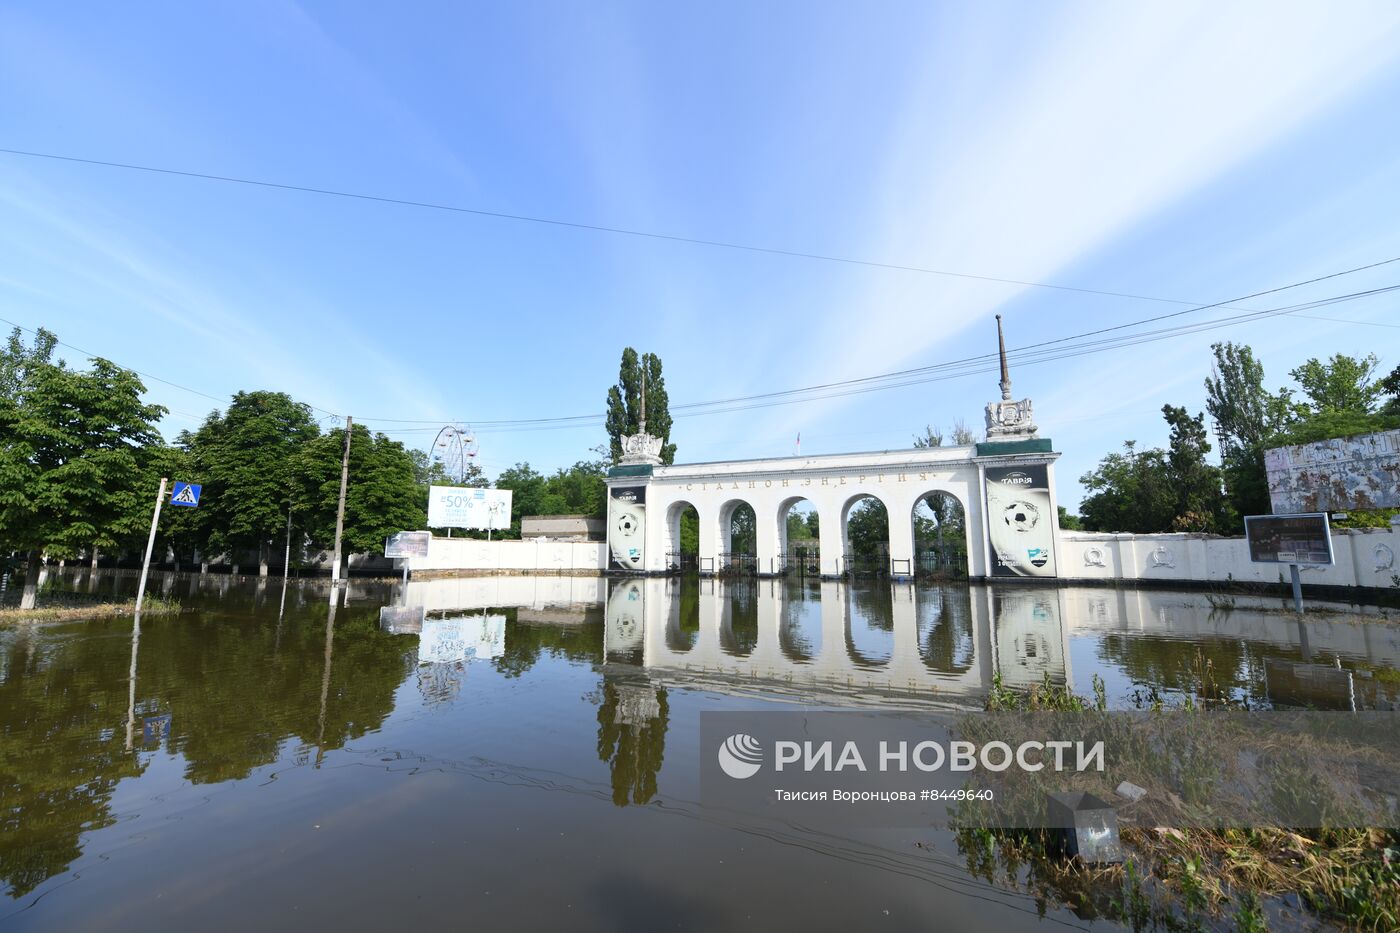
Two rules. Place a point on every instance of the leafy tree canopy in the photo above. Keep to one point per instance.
(625, 403)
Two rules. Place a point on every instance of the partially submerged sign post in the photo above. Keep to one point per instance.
(186, 494)
(405, 544)
(1304, 538)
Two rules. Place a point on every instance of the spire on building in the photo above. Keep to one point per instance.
(1008, 419)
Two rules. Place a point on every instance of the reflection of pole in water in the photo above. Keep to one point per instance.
(325, 682)
(131, 689)
(281, 610)
(1303, 639)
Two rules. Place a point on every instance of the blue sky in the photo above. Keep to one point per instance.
(1185, 151)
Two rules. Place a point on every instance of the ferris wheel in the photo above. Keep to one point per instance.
(454, 450)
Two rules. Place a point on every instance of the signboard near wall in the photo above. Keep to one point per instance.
(1289, 539)
(627, 525)
(1336, 475)
(1020, 521)
(407, 544)
(468, 507)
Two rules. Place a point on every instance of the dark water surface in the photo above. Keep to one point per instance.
(522, 752)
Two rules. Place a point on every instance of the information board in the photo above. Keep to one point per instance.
(1304, 538)
(407, 544)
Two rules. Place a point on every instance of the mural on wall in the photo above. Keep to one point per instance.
(627, 520)
(1020, 521)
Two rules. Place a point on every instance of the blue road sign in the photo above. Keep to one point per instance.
(185, 494)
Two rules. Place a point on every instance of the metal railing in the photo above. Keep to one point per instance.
(682, 562)
(737, 564)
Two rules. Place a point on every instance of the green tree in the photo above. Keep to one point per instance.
(964, 436)
(932, 437)
(72, 446)
(1129, 491)
(1390, 386)
(1343, 383)
(527, 495)
(742, 530)
(796, 527)
(382, 496)
(868, 530)
(1200, 499)
(1246, 416)
(247, 458)
(625, 403)
(1069, 521)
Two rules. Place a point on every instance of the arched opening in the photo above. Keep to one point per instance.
(683, 538)
(940, 537)
(739, 538)
(799, 534)
(865, 537)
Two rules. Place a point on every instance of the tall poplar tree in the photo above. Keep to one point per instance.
(625, 403)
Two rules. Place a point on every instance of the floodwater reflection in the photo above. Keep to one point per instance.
(572, 689)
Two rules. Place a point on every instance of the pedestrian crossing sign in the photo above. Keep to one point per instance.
(185, 494)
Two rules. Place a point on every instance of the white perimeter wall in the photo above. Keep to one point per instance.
(474, 556)
(1364, 557)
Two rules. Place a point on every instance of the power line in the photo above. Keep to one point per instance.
(174, 385)
(578, 225)
(580, 420)
(942, 372)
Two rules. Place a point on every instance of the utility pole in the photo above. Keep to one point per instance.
(287, 556)
(340, 509)
(150, 546)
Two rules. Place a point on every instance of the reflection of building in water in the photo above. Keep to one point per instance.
(938, 644)
(632, 721)
(622, 631)
(1030, 639)
(441, 683)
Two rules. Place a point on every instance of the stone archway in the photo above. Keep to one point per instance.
(865, 536)
(940, 536)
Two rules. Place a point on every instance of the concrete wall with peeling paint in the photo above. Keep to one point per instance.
(1361, 472)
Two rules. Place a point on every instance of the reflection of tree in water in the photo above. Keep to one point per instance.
(873, 607)
(527, 641)
(683, 623)
(236, 696)
(61, 750)
(800, 634)
(236, 691)
(870, 609)
(632, 721)
(1177, 664)
(740, 636)
(945, 629)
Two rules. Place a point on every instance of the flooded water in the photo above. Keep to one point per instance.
(523, 752)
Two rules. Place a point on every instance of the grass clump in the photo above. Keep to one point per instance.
(1196, 878)
(151, 606)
